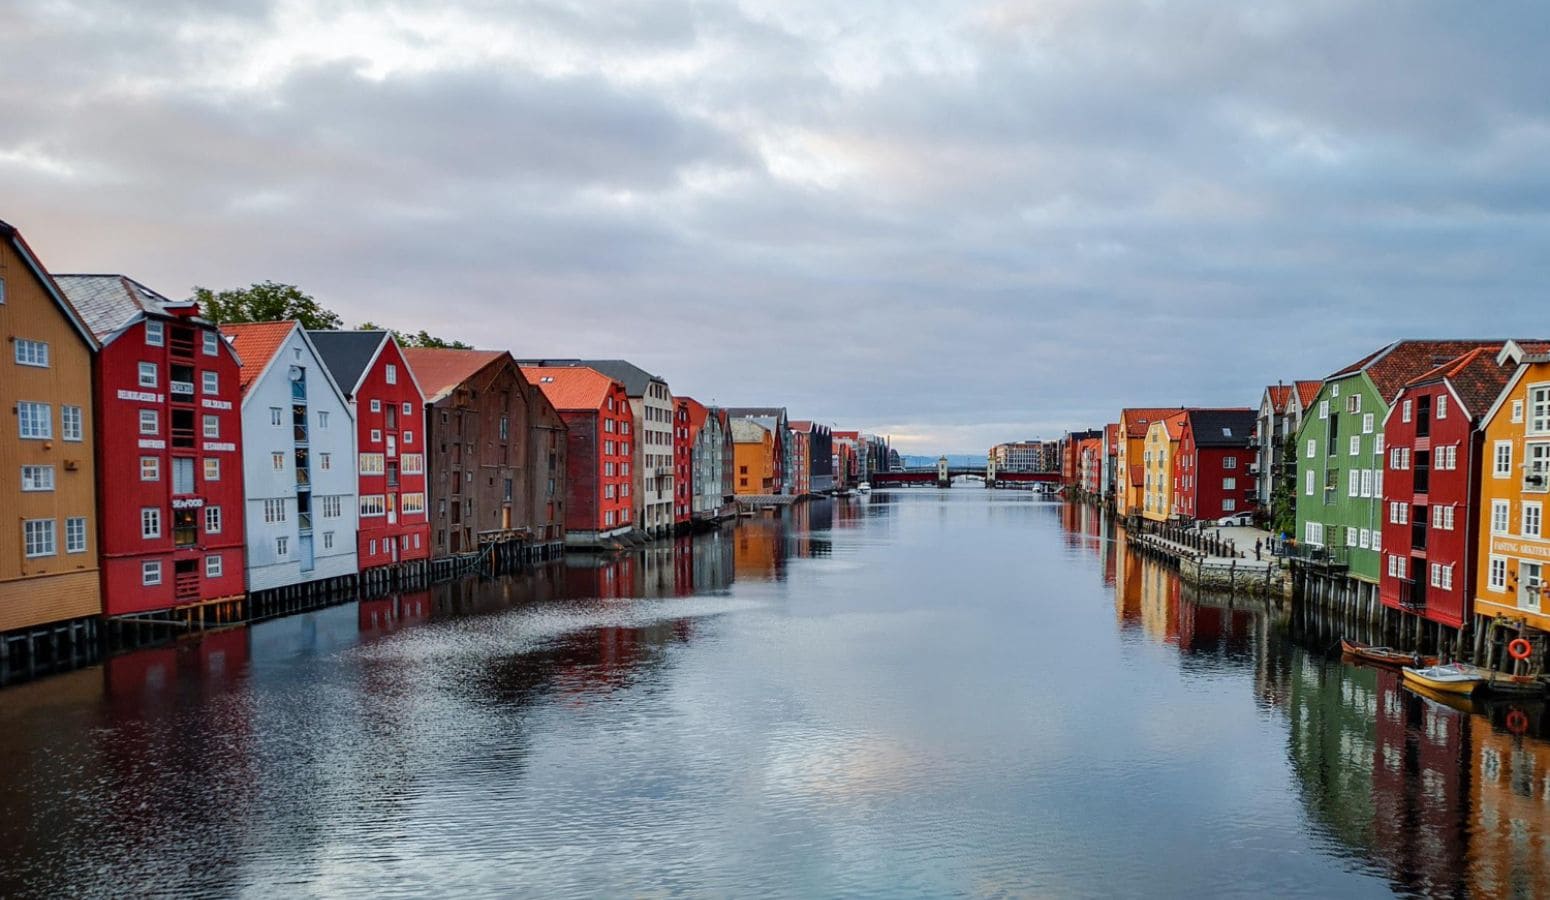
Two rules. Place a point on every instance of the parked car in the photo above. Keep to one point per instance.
(1236, 519)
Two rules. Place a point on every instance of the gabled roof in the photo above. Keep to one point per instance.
(571, 388)
(1392, 366)
(747, 431)
(1173, 424)
(1476, 378)
(698, 413)
(1307, 391)
(55, 292)
(1278, 394)
(348, 354)
(633, 377)
(107, 303)
(439, 370)
(256, 343)
(1111, 434)
(805, 426)
(1137, 475)
(1222, 427)
(1139, 418)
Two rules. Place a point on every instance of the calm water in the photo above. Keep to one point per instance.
(922, 693)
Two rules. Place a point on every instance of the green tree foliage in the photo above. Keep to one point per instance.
(420, 338)
(1283, 492)
(265, 302)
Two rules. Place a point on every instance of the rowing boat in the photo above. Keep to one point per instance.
(1387, 656)
(1448, 679)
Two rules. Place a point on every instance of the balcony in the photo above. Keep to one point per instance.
(304, 522)
(1536, 481)
(1412, 595)
(303, 479)
(180, 342)
(181, 388)
(1317, 555)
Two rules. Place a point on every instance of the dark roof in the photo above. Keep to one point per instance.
(1222, 427)
(109, 302)
(757, 412)
(347, 354)
(633, 377)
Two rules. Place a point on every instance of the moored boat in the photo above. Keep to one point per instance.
(1494, 682)
(1387, 656)
(864, 488)
(1445, 679)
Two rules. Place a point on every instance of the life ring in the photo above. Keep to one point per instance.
(1517, 721)
(1519, 648)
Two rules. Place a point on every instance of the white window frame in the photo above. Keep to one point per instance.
(37, 479)
(72, 423)
(211, 382)
(39, 538)
(211, 343)
(1496, 575)
(213, 521)
(390, 374)
(1501, 453)
(31, 353)
(150, 421)
(34, 421)
(155, 333)
(75, 534)
(150, 572)
(1501, 516)
(1355, 445)
(1533, 514)
(212, 426)
(147, 374)
(211, 464)
(150, 523)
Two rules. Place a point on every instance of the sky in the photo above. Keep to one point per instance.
(954, 223)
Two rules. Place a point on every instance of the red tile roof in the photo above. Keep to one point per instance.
(440, 369)
(571, 388)
(1137, 475)
(1173, 423)
(802, 425)
(698, 413)
(1111, 432)
(1279, 394)
(256, 344)
(1475, 377)
(1138, 419)
(1391, 367)
(1307, 391)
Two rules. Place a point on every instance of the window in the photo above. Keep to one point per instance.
(1353, 483)
(408, 409)
(1350, 537)
(282, 546)
(371, 547)
(1229, 505)
(1377, 446)
(1230, 462)
(277, 460)
(1539, 408)
(328, 540)
(211, 343)
(212, 470)
(1229, 484)
(35, 421)
(376, 435)
(413, 463)
(212, 520)
(1498, 577)
(150, 468)
(1366, 482)
(1503, 456)
(331, 507)
(70, 423)
(147, 374)
(275, 417)
(154, 332)
(1324, 406)
(376, 405)
(408, 437)
(75, 534)
(1532, 519)
(150, 522)
(373, 505)
(1442, 406)
(150, 573)
(1501, 516)
(412, 503)
(213, 566)
(1356, 444)
(31, 353)
(1517, 411)
(38, 537)
(323, 419)
(1364, 538)
(274, 511)
(37, 478)
(391, 374)
(212, 382)
(150, 421)
(1436, 575)
(325, 461)
(212, 426)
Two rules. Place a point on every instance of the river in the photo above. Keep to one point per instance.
(920, 693)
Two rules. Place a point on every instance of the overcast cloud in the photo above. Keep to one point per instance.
(956, 223)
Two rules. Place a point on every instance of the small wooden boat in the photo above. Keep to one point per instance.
(1448, 679)
(1386, 656)
(1503, 682)
(1459, 702)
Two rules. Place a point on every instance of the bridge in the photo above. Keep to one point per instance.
(943, 476)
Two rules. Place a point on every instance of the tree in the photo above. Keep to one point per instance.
(1283, 491)
(419, 339)
(265, 302)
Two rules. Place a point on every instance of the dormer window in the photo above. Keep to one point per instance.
(155, 335)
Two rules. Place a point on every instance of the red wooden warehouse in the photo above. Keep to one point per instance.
(1430, 485)
(688, 417)
(596, 411)
(1211, 476)
(169, 447)
(390, 443)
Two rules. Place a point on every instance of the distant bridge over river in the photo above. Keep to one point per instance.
(942, 476)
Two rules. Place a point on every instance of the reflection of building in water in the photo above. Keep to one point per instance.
(1127, 584)
(1159, 601)
(1207, 627)
(1330, 742)
(386, 615)
(758, 544)
(604, 576)
(208, 660)
(714, 561)
(1509, 783)
(850, 511)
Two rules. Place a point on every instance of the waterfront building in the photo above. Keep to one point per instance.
(688, 419)
(709, 461)
(389, 412)
(298, 474)
(1513, 545)
(820, 455)
(1019, 456)
(1070, 454)
(1108, 480)
(50, 577)
(847, 467)
(774, 420)
(1159, 457)
(497, 461)
(1211, 473)
(169, 449)
(801, 461)
(1130, 455)
(1429, 482)
(650, 438)
(596, 411)
(754, 457)
(1281, 409)
(1089, 465)
(725, 463)
(1338, 508)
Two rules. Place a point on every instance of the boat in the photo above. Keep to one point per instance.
(1444, 679)
(864, 487)
(1460, 702)
(1495, 682)
(1386, 656)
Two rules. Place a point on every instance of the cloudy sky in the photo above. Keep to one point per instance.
(958, 223)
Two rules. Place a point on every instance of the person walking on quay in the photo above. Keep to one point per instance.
(1257, 545)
